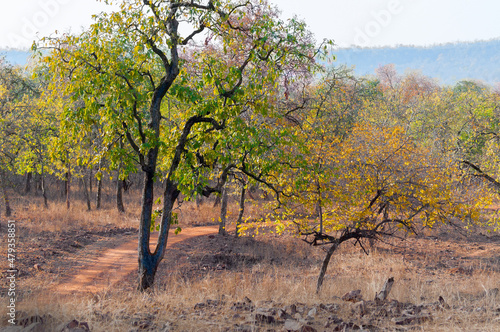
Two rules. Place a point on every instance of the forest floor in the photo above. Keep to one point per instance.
(87, 273)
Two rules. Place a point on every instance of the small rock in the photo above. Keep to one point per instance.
(332, 307)
(282, 314)
(292, 325)
(353, 296)
(333, 320)
(312, 313)
(291, 309)
(443, 304)
(200, 305)
(264, 319)
(74, 326)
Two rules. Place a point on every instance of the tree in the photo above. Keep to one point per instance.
(367, 178)
(23, 127)
(478, 138)
(130, 62)
(387, 184)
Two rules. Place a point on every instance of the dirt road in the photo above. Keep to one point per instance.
(116, 263)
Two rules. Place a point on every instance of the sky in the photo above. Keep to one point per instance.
(364, 23)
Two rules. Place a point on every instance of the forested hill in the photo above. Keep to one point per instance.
(448, 62)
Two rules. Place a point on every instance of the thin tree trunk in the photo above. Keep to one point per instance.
(319, 207)
(119, 194)
(218, 199)
(27, 187)
(320, 215)
(98, 198)
(324, 267)
(223, 211)
(119, 184)
(42, 184)
(99, 194)
(90, 182)
(8, 210)
(242, 210)
(68, 189)
(86, 193)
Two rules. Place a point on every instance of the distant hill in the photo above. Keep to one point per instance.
(449, 63)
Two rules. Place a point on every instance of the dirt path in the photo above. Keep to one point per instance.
(116, 263)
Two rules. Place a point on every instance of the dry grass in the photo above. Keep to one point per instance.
(291, 281)
(285, 273)
(57, 217)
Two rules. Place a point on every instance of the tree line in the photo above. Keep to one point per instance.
(245, 95)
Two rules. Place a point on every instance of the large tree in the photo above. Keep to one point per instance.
(192, 105)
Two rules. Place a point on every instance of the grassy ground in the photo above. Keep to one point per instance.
(215, 283)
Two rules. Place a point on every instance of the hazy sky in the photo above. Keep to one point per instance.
(348, 22)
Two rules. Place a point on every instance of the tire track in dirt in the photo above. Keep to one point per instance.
(116, 263)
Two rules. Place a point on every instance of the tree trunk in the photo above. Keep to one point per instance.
(320, 215)
(42, 187)
(44, 192)
(98, 198)
(119, 194)
(86, 193)
(319, 209)
(27, 187)
(148, 262)
(218, 198)
(223, 211)
(199, 201)
(242, 209)
(90, 182)
(68, 189)
(384, 292)
(8, 210)
(324, 267)
(119, 184)
(147, 267)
